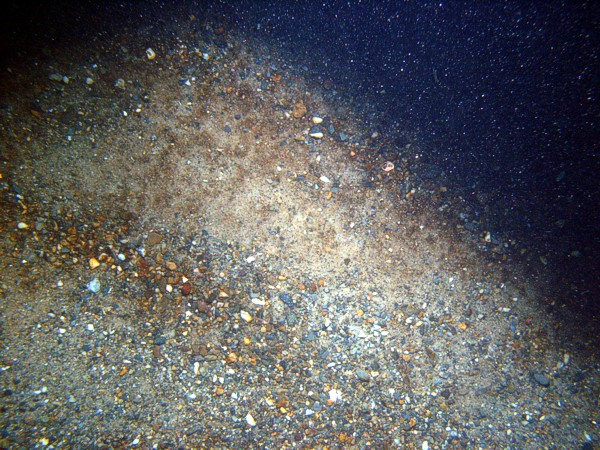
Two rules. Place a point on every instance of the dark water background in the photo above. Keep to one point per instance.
(502, 95)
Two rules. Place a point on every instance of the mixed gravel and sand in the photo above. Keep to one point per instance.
(184, 266)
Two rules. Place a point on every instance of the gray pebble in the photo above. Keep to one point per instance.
(94, 286)
(362, 375)
(287, 299)
(542, 379)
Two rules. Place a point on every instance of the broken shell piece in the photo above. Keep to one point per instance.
(317, 120)
(388, 166)
(150, 54)
(246, 316)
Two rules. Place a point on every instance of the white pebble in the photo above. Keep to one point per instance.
(335, 395)
(250, 420)
(94, 286)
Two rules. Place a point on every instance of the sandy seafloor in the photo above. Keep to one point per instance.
(183, 265)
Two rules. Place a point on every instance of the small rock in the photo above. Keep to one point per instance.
(202, 307)
(186, 288)
(299, 110)
(335, 395)
(94, 263)
(541, 379)
(250, 420)
(287, 299)
(363, 375)
(316, 132)
(94, 286)
(154, 238)
(171, 265)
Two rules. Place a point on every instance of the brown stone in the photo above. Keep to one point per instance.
(186, 288)
(153, 238)
(299, 110)
(202, 307)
